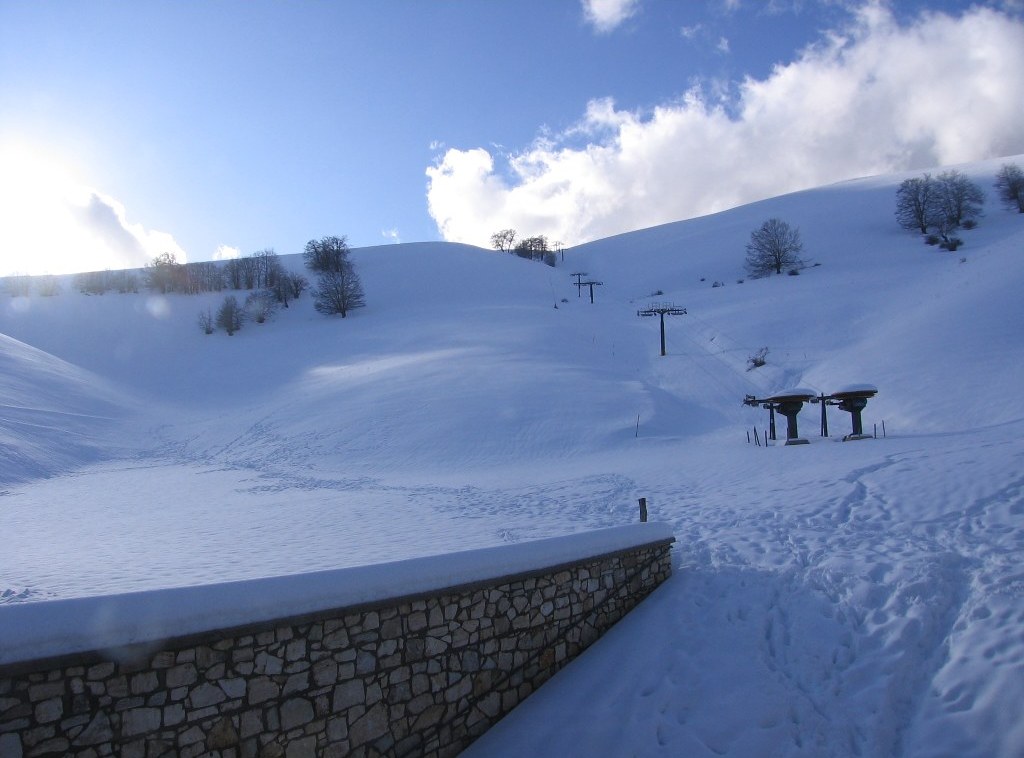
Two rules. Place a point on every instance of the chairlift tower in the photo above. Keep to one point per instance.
(591, 284)
(579, 281)
(788, 403)
(853, 399)
(662, 310)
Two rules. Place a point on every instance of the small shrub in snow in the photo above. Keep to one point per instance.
(758, 359)
(260, 305)
(951, 244)
(718, 284)
(932, 239)
(794, 272)
(298, 283)
(739, 281)
(229, 316)
(206, 321)
(969, 224)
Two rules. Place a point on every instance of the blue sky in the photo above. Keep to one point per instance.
(211, 129)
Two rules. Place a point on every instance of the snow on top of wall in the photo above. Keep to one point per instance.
(30, 631)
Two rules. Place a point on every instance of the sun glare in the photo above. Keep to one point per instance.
(51, 222)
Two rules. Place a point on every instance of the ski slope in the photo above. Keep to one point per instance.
(842, 599)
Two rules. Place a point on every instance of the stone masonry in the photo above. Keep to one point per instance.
(415, 676)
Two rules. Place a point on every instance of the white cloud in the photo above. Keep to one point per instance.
(131, 244)
(691, 32)
(872, 98)
(606, 15)
(52, 223)
(392, 235)
(723, 45)
(226, 253)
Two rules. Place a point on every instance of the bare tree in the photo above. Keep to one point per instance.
(249, 268)
(504, 240)
(93, 282)
(287, 286)
(298, 284)
(772, 247)
(203, 276)
(165, 274)
(915, 199)
(536, 249)
(125, 281)
(339, 291)
(282, 289)
(47, 285)
(328, 254)
(233, 273)
(266, 268)
(1010, 186)
(18, 285)
(532, 248)
(958, 199)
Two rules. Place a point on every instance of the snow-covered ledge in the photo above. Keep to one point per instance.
(416, 657)
(47, 629)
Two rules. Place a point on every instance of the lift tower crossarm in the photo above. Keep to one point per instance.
(662, 310)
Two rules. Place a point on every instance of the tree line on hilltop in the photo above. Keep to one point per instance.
(934, 206)
(534, 248)
(338, 288)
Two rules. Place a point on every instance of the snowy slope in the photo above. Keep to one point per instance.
(53, 415)
(832, 599)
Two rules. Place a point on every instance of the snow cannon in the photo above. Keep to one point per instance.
(853, 399)
(788, 403)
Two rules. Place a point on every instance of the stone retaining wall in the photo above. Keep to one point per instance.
(414, 676)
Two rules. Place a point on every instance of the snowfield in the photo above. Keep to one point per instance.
(838, 599)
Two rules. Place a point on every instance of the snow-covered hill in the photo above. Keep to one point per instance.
(831, 599)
